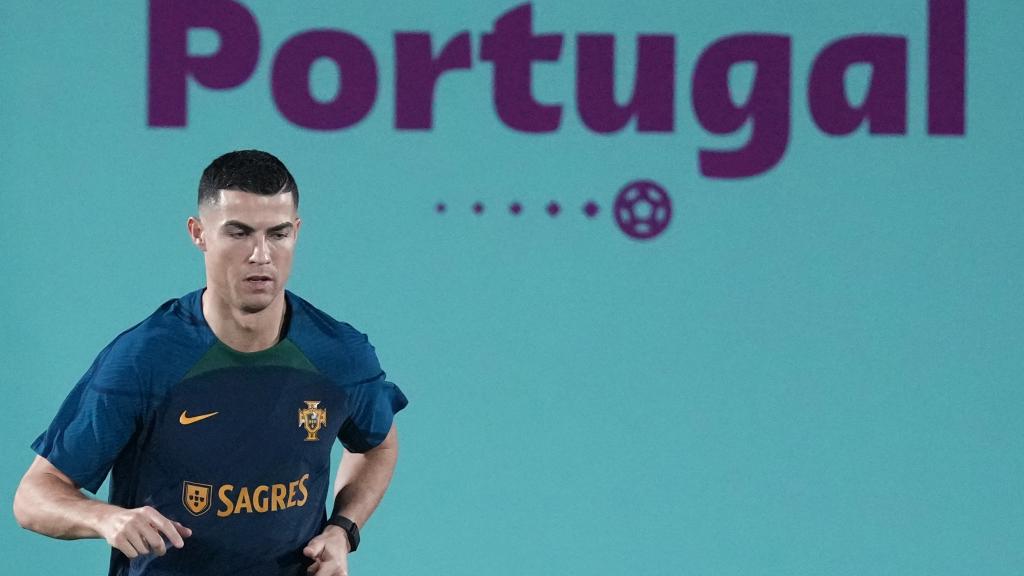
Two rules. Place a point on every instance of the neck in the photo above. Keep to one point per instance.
(244, 331)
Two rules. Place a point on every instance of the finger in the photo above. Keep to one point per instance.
(332, 564)
(125, 547)
(314, 568)
(138, 543)
(165, 527)
(314, 548)
(183, 530)
(169, 530)
(154, 540)
(327, 554)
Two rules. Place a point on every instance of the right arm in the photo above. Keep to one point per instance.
(50, 503)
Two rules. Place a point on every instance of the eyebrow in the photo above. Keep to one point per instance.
(246, 228)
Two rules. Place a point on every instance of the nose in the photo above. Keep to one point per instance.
(260, 251)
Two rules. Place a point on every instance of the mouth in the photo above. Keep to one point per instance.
(259, 281)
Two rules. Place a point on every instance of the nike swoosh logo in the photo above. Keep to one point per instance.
(185, 419)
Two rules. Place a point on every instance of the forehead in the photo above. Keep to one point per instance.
(255, 210)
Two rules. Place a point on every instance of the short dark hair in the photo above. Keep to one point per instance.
(252, 171)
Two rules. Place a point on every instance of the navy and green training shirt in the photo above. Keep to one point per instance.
(235, 446)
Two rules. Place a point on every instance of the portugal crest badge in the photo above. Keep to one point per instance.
(196, 497)
(312, 419)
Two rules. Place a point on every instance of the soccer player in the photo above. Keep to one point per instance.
(215, 416)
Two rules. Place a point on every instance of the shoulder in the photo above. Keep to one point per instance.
(175, 324)
(168, 341)
(336, 348)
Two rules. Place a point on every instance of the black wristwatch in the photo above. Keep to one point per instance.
(350, 529)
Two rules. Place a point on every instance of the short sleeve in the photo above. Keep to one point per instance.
(347, 358)
(95, 422)
(372, 408)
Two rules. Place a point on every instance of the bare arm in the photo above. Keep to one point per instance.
(363, 479)
(358, 489)
(50, 503)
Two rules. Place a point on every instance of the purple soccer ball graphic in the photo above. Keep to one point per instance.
(643, 209)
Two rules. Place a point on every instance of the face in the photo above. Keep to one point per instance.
(248, 241)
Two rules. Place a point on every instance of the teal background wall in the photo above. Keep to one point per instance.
(813, 371)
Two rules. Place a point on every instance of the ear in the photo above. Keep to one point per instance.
(298, 224)
(195, 232)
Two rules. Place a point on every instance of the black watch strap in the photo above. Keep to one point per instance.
(350, 529)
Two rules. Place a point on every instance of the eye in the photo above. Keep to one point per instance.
(279, 235)
(238, 234)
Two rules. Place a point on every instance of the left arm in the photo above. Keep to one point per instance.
(358, 489)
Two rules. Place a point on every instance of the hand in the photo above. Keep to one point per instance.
(139, 531)
(329, 551)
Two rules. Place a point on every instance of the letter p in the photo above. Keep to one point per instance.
(170, 65)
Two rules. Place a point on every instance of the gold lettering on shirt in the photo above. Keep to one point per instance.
(262, 498)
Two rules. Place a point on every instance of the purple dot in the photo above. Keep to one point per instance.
(478, 208)
(515, 208)
(591, 209)
(440, 207)
(553, 208)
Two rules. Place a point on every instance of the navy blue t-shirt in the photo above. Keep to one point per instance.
(234, 445)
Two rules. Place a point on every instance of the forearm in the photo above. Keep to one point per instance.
(49, 505)
(363, 479)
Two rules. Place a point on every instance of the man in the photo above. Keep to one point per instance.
(216, 415)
